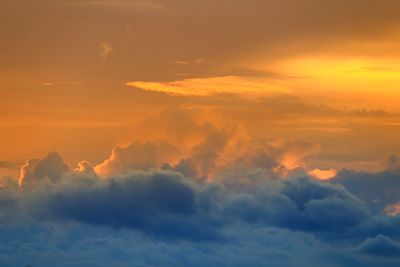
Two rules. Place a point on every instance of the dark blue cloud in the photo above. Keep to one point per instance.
(324, 207)
(301, 204)
(166, 205)
(161, 204)
(378, 225)
(162, 217)
(380, 246)
(377, 190)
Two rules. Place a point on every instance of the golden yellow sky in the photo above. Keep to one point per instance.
(80, 77)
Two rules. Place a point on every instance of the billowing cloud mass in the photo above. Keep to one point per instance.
(250, 204)
(195, 133)
(195, 192)
(137, 156)
(201, 192)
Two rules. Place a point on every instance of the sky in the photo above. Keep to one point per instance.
(199, 133)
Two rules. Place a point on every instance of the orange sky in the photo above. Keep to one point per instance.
(80, 77)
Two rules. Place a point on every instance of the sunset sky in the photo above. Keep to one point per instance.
(199, 133)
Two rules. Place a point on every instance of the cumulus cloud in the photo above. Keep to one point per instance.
(138, 155)
(160, 204)
(170, 210)
(292, 154)
(166, 205)
(193, 141)
(51, 167)
(86, 167)
(197, 189)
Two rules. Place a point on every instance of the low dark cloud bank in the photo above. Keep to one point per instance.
(160, 217)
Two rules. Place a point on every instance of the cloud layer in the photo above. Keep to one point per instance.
(179, 219)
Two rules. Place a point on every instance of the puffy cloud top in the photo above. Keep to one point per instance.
(51, 167)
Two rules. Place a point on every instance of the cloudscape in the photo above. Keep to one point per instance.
(199, 133)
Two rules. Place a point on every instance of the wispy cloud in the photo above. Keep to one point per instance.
(10, 165)
(105, 50)
(213, 86)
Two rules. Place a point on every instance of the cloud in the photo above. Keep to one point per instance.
(380, 246)
(105, 50)
(163, 205)
(86, 167)
(393, 209)
(138, 155)
(160, 204)
(248, 219)
(206, 148)
(204, 156)
(378, 190)
(9, 209)
(81, 246)
(221, 189)
(292, 154)
(318, 206)
(167, 205)
(51, 167)
(208, 184)
(212, 86)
